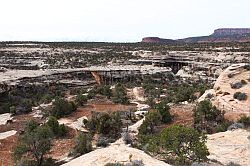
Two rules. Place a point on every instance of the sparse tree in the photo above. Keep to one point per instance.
(120, 95)
(81, 100)
(34, 144)
(163, 109)
(152, 119)
(186, 144)
(83, 144)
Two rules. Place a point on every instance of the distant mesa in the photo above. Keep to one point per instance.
(157, 40)
(231, 31)
(219, 36)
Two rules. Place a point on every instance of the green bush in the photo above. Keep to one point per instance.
(81, 100)
(104, 123)
(243, 82)
(102, 142)
(223, 126)
(120, 95)
(245, 120)
(247, 67)
(126, 138)
(163, 109)
(186, 144)
(240, 96)
(237, 85)
(232, 163)
(100, 89)
(207, 117)
(104, 90)
(61, 107)
(13, 110)
(152, 119)
(83, 144)
(58, 130)
(34, 144)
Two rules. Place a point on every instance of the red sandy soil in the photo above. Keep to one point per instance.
(6, 146)
(99, 107)
(60, 146)
(18, 123)
(182, 115)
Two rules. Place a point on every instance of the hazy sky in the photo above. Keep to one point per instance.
(117, 20)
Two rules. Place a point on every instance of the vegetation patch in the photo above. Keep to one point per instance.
(107, 124)
(240, 96)
(245, 120)
(208, 119)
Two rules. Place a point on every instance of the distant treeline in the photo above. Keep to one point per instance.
(234, 47)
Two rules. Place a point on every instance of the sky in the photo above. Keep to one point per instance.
(117, 20)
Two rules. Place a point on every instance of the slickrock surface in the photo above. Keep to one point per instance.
(112, 154)
(7, 134)
(224, 93)
(4, 118)
(230, 146)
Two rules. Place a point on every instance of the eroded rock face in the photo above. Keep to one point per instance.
(230, 146)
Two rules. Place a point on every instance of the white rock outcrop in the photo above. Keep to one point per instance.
(4, 118)
(7, 134)
(230, 146)
(113, 154)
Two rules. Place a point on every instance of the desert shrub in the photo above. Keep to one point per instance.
(152, 119)
(236, 126)
(5, 108)
(104, 123)
(150, 101)
(232, 164)
(120, 95)
(102, 142)
(230, 75)
(240, 96)
(149, 143)
(104, 90)
(34, 144)
(136, 163)
(245, 120)
(243, 82)
(61, 107)
(184, 92)
(114, 164)
(163, 109)
(81, 100)
(25, 106)
(46, 98)
(58, 130)
(186, 144)
(207, 117)
(126, 138)
(247, 67)
(100, 89)
(237, 85)
(223, 126)
(13, 110)
(132, 163)
(83, 144)
(49, 161)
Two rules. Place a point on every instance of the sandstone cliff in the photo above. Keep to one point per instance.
(219, 36)
(231, 31)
